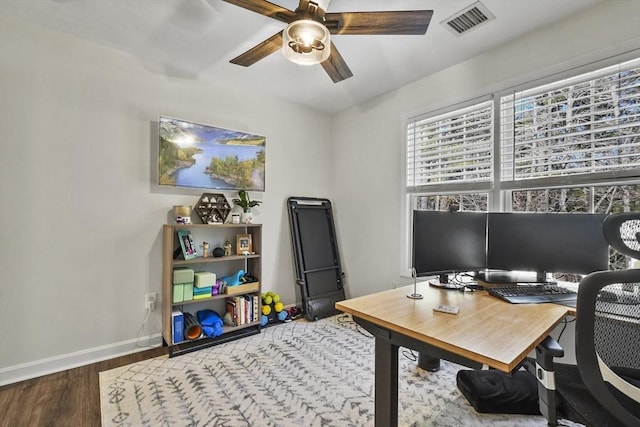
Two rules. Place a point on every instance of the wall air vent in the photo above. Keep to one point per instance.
(468, 18)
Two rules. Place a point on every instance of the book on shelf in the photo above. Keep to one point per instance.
(177, 325)
(232, 310)
(240, 302)
(243, 309)
(256, 308)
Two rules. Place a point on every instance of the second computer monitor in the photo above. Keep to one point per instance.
(546, 242)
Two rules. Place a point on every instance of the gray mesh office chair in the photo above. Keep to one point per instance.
(604, 388)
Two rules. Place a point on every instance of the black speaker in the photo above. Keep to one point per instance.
(218, 252)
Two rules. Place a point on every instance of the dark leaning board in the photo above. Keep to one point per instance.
(317, 261)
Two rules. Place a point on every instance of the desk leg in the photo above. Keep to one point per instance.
(386, 382)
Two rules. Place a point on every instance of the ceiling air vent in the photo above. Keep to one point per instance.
(468, 18)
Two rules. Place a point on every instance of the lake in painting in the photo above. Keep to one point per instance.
(202, 156)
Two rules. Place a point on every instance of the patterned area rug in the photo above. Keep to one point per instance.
(295, 374)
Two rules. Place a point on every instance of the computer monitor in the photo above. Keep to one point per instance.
(546, 243)
(448, 242)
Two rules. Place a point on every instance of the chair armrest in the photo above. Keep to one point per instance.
(550, 345)
(546, 351)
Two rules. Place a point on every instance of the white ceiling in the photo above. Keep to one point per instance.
(195, 39)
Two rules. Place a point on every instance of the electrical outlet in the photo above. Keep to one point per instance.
(150, 301)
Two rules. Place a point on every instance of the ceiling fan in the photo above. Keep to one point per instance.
(306, 40)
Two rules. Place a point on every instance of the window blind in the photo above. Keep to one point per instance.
(588, 124)
(451, 147)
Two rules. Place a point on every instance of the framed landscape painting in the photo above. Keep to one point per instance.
(202, 156)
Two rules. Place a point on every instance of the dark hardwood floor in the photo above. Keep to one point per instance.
(70, 398)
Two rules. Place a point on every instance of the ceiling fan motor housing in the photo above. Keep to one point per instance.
(311, 18)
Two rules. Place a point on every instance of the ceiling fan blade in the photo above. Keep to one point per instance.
(335, 66)
(362, 23)
(266, 8)
(260, 51)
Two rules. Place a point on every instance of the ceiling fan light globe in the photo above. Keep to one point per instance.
(306, 42)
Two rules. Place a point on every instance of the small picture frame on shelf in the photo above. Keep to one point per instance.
(244, 245)
(189, 250)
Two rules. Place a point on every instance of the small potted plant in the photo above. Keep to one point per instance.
(245, 202)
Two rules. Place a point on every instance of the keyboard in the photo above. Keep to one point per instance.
(533, 294)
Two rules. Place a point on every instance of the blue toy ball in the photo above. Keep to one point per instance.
(282, 316)
(264, 320)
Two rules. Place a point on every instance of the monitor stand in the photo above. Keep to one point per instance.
(442, 282)
(500, 276)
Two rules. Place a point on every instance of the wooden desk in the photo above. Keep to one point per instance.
(486, 332)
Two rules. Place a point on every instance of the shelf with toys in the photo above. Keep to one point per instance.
(207, 268)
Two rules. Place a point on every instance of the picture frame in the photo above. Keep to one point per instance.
(244, 244)
(195, 155)
(189, 249)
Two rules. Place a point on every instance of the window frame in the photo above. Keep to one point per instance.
(499, 192)
(466, 107)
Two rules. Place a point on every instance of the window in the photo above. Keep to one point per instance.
(586, 125)
(596, 199)
(567, 146)
(454, 202)
(455, 147)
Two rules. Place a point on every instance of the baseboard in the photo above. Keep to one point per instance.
(26, 371)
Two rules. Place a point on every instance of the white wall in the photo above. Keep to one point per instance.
(370, 199)
(80, 220)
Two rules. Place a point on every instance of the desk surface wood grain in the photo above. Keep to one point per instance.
(486, 329)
